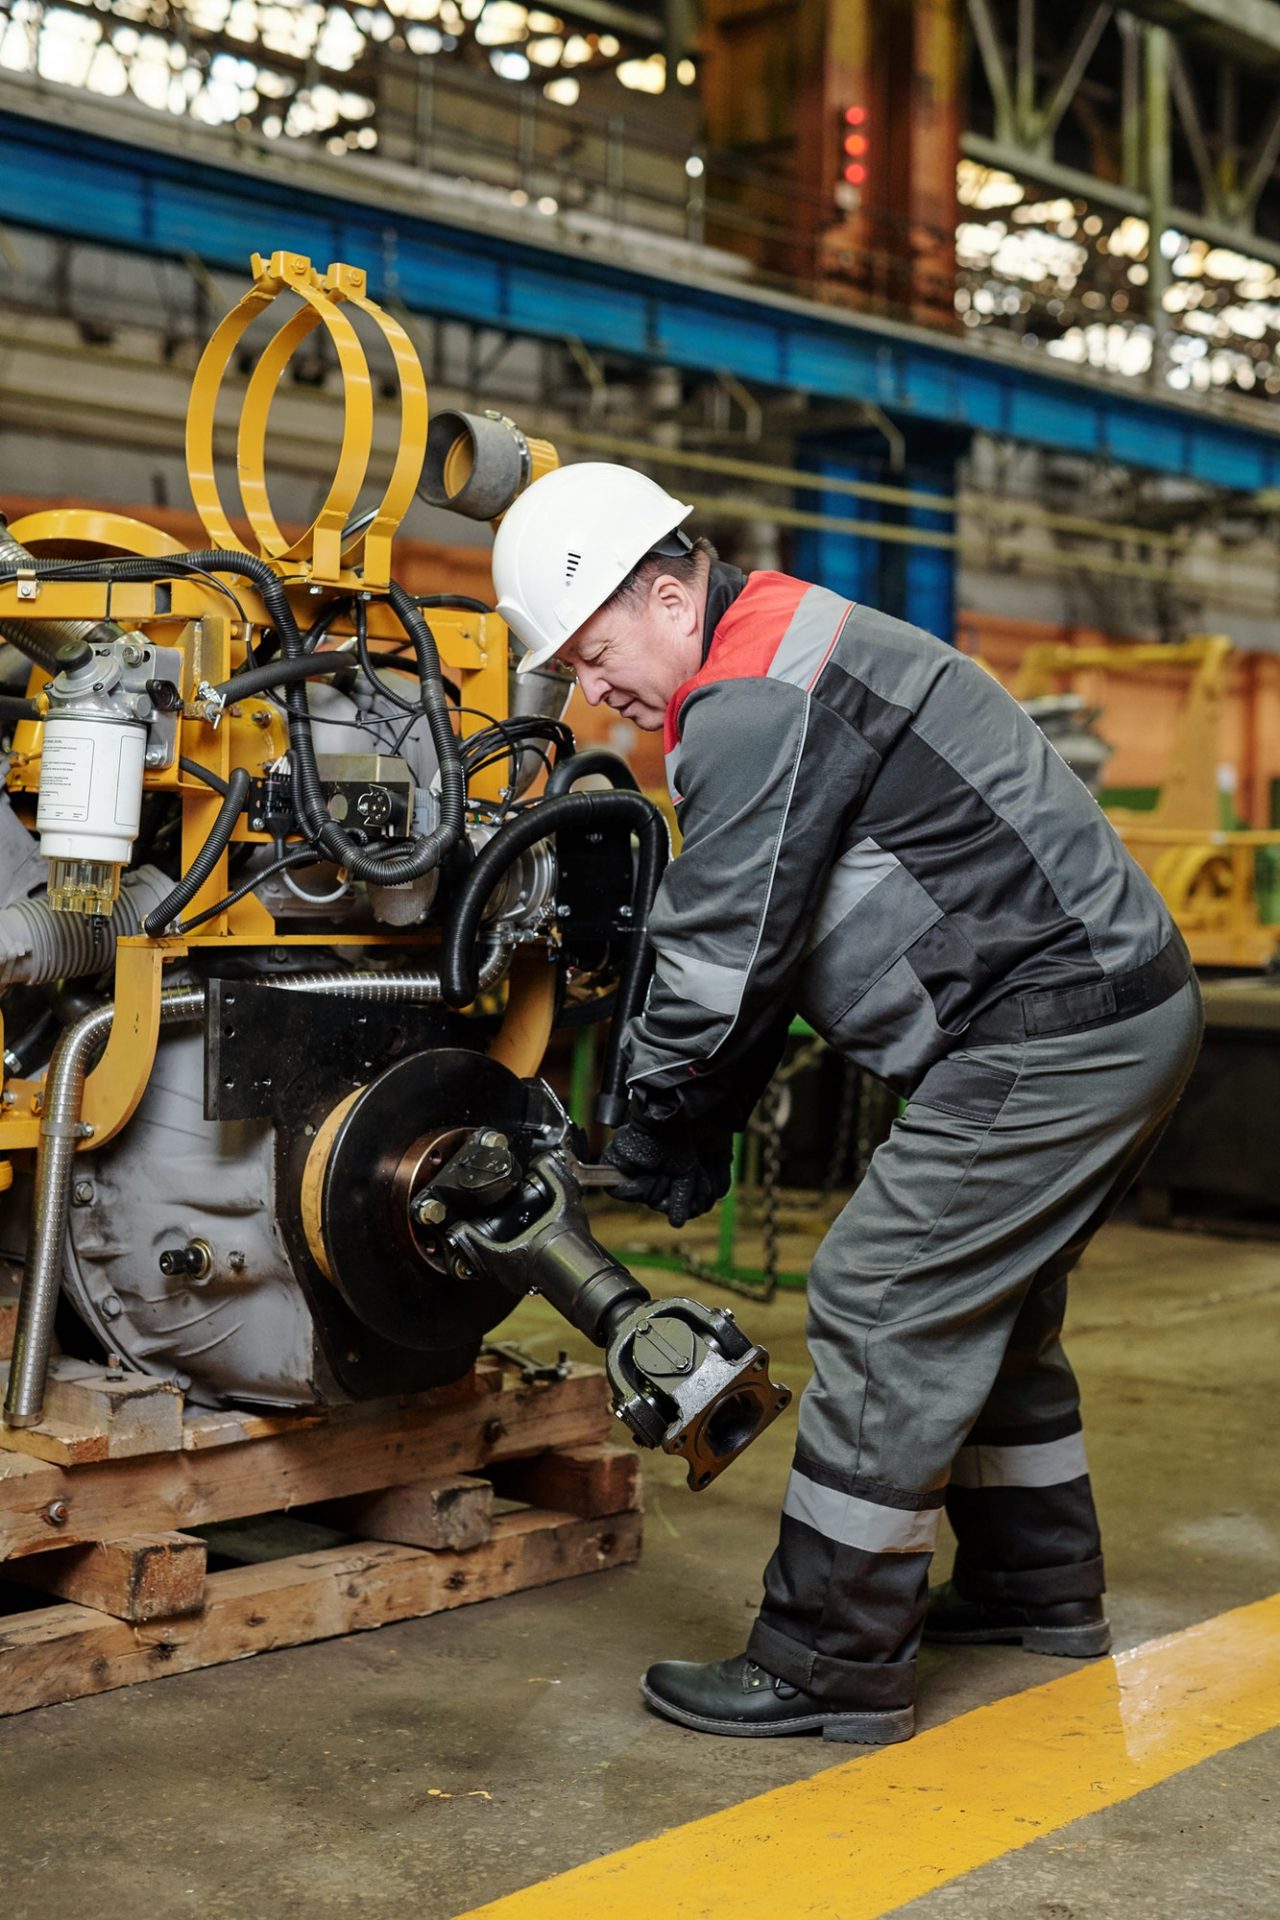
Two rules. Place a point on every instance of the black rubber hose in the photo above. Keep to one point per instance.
(459, 961)
(390, 870)
(207, 858)
(198, 772)
(599, 760)
(282, 673)
(12, 707)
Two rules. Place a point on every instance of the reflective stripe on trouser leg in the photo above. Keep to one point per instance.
(1020, 1502)
(914, 1299)
(870, 1548)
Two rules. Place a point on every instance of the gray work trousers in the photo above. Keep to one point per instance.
(935, 1306)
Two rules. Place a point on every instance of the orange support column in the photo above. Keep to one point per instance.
(853, 106)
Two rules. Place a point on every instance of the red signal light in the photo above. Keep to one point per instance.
(855, 174)
(856, 144)
(855, 116)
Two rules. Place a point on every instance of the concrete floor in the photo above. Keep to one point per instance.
(431, 1766)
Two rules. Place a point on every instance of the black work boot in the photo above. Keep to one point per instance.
(1077, 1628)
(739, 1698)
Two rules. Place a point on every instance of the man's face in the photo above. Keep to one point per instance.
(633, 657)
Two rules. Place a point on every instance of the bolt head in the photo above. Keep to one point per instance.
(428, 1211)
(82, 1193)
(57, 1513)
(112, 1307)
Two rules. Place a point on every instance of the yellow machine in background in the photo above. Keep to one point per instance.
(295, 917)
(1206, 873)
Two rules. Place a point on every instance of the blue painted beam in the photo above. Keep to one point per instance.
(160, 200)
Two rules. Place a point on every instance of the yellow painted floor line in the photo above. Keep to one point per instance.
(859, 1840)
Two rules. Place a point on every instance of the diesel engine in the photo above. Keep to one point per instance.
(296, 880)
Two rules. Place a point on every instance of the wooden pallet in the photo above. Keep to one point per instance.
(427, 1502)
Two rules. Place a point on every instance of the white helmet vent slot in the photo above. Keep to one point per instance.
(572, 562)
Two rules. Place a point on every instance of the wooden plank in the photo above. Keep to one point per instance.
(456, 1513)
(589, 1481)
(229, 1426)
(361, 1449)
(64, 1653)
(137, 1413)
(55, 1442)
(143, 1577)
(91, 1415)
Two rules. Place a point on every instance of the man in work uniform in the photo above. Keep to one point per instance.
(878, 837)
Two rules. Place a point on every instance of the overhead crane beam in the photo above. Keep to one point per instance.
(185, 194)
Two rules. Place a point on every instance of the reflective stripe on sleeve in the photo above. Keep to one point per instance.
(810, 637)
(852, 877)
(717, 988)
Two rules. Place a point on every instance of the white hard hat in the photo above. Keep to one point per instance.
(567, 542)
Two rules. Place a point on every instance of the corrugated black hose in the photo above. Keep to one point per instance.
(207, 858)
(598, 760)
(459, 958)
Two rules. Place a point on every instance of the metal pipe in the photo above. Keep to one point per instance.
(61, 1130)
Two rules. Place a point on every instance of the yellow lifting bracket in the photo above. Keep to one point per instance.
(319, 553)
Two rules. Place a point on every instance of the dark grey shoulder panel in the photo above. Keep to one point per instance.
(907, 683)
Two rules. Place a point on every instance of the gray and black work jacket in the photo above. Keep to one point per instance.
(878, 837)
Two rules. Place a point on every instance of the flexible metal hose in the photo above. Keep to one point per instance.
(383, 988)
(42, 640)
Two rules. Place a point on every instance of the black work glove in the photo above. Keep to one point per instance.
(671, 1167)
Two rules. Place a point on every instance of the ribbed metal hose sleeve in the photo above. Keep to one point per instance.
(38, 945)
(55, 1162)
(598, 760)
(207, 858)
(384, 988)
(583, 810)
(41, 640)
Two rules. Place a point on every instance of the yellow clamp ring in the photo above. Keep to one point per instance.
(324, 538)
(341, 284)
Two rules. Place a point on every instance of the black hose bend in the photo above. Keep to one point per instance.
(282, 673)
(207, 858)
(597, 760)
(458, 956)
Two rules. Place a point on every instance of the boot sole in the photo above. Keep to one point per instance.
(1071, 1643)
(857, 1729)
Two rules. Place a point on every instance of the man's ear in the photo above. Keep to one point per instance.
(674, 599)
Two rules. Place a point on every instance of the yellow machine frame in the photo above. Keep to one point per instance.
(1206, 873)
(192, 615)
